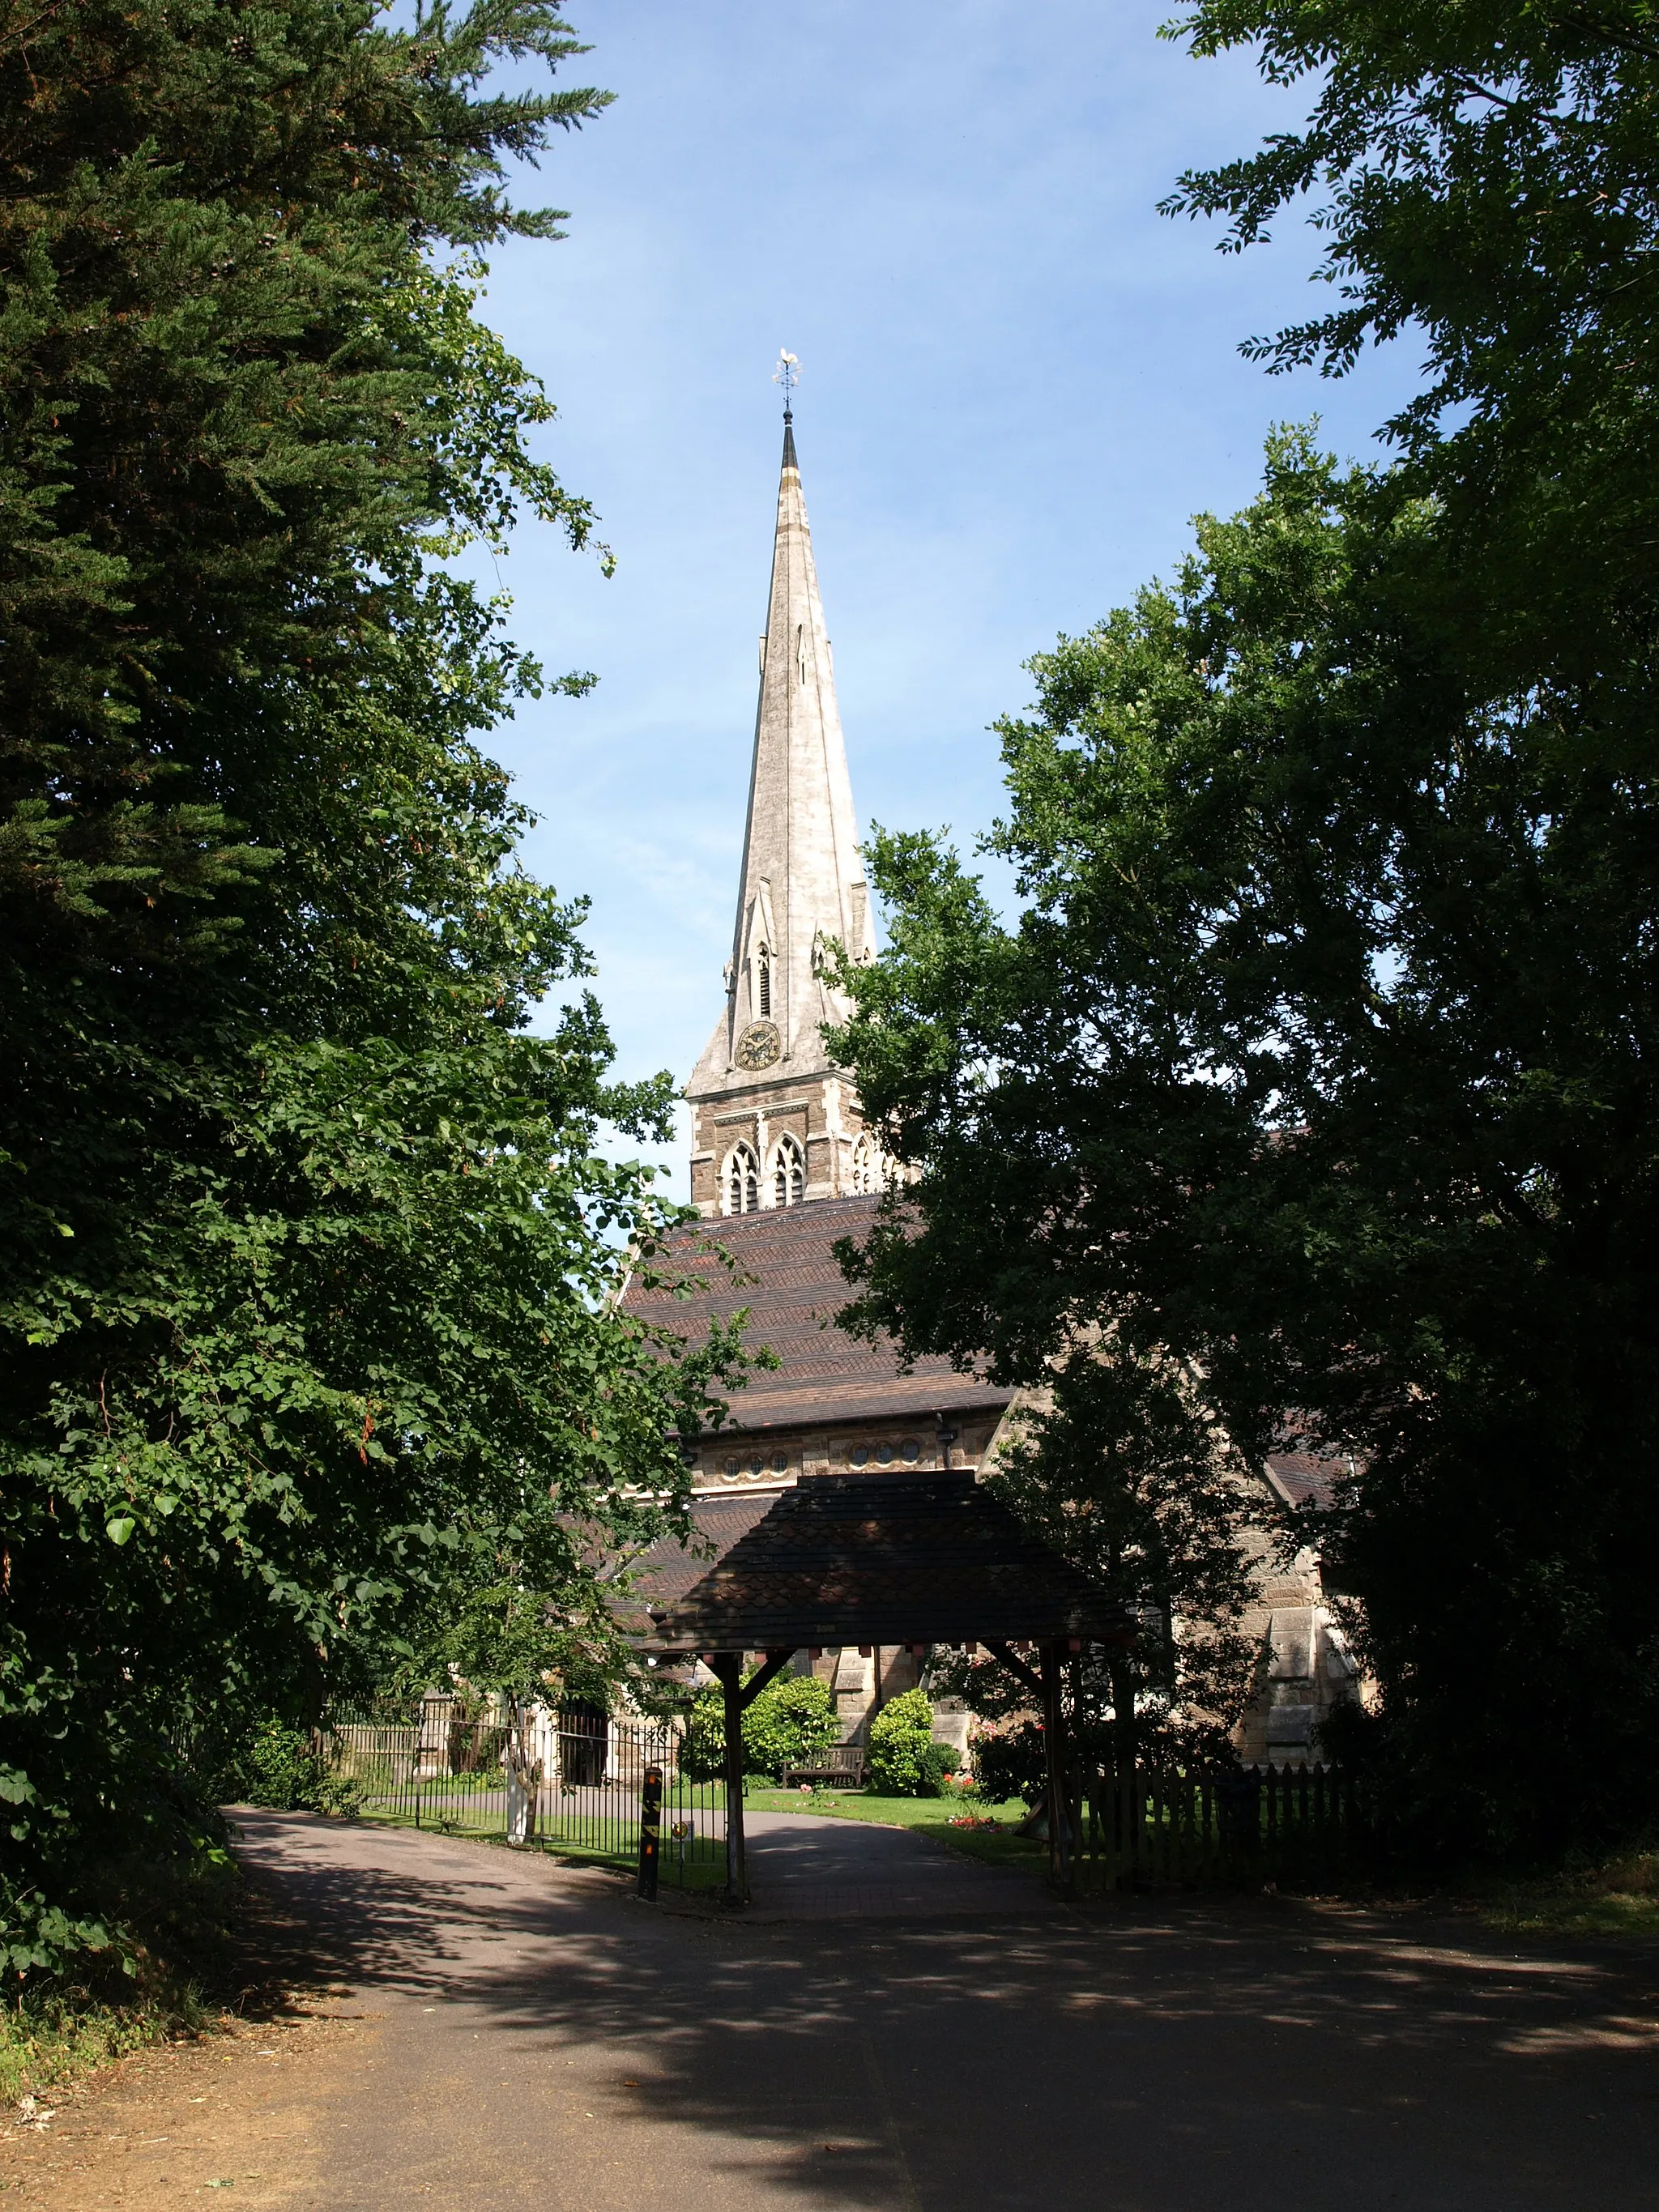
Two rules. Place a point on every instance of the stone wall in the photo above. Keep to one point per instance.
(896, 1445)
(1304, 1667)
(820, 1112)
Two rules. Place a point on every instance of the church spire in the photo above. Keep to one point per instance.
(802, 882)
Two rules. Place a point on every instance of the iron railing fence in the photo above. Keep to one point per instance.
(1192, 1827)
(571, 1782)
(568, 1781)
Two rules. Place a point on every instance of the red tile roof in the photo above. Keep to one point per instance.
(1307, 1478)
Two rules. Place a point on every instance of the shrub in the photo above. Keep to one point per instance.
(280, 1769)
(938, 1762)
(900, 1743)
(791, 1719)
(1011, 1762)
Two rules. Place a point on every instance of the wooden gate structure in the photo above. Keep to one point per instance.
(889, 1559)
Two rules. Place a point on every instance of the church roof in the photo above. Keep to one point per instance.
(802, 881)
(787, 1274)
(886, 1559)
(1307, 1478)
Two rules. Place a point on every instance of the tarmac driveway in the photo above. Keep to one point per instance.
(529, 2038)
(804, 1866)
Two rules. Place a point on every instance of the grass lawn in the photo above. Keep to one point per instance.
(1619, 1898)
(930, 1816)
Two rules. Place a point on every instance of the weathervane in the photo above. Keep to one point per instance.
(787, 374)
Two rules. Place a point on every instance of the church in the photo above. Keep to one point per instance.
(782, 1168)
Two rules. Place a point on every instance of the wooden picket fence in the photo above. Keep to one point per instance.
(1172, 1826)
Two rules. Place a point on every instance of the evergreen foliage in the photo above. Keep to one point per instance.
(307, 1324)
(901, 1741)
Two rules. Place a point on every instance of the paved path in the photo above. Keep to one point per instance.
(527, 2037)
(802, 1866)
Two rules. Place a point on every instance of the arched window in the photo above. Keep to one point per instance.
(763, 981)
(864, 1169)
(789, 1173)
(742, 1179)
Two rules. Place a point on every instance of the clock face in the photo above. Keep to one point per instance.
(759, 1045)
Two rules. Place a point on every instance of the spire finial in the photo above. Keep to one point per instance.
(787, 374)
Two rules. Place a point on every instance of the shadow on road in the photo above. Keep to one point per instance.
(1154, 2058)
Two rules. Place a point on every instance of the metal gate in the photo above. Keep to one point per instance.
(568, 1781)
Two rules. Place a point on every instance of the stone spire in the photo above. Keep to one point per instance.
(803, 882)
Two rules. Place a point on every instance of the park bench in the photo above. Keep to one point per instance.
(840, 1767)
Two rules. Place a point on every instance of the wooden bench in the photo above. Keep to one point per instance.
(840, 1768)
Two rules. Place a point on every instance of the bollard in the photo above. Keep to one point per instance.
(650, 1830)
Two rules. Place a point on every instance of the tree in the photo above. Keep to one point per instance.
(1484, 178)
(307, 1315)
(1317, 1062)
(1318, 1057)
(1485, 181)
(1121, 1467)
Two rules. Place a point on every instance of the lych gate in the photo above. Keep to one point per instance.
(889, 1559)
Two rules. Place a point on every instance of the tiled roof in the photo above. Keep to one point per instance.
(787, 1275)
(669, 1569)
(1307, 1478)
(886, 1559)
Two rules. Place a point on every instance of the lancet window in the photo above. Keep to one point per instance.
(863, 1169)
(742, 1190)
(763, 981)
(789, 1173)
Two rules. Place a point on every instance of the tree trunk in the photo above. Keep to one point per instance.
(1126, 1781)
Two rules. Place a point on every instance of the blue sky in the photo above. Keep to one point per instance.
(1018, 384)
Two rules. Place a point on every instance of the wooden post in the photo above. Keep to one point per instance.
(650, 1830)
(1053, 1731)
(728, 1667)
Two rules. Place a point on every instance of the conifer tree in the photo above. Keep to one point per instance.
(306, 1326)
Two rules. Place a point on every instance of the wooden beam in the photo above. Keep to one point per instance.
(775, 1662)
(1054, 1732)
(738, 1696)
(1017, 1668)
(728, 1669)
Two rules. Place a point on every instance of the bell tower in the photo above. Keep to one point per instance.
(774, 1122)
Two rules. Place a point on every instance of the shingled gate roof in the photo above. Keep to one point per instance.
(887, 1558)
(670, 1570)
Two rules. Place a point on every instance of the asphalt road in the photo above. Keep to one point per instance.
(808, 1867)
(540, 2038)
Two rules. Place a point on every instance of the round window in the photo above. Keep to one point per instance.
(859, 1456)
(779, 1463)
(755, 1466)
(885, 1455)
(910, 1450)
